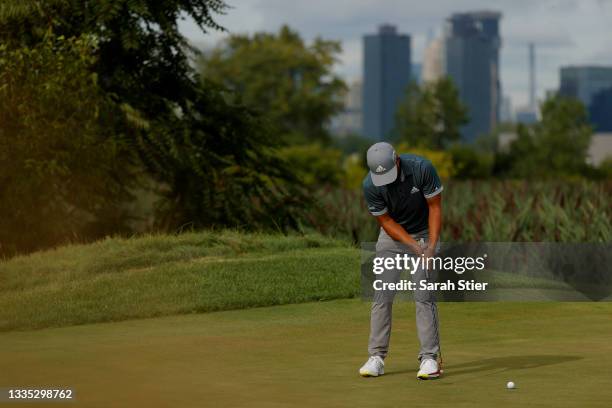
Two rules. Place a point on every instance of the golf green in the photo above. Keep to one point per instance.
(558, 354)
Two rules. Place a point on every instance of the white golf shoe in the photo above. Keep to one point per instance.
(429, 370)
(374, 367)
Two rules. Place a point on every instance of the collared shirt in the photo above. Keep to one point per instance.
(406, 198)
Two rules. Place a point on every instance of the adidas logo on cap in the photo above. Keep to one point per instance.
(380, 169)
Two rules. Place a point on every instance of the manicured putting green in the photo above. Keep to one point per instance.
(558, 354)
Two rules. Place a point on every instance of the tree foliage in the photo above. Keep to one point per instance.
(143, 58)
(281, 76)
(431, 115)
(315, 165)
(221, 169)
(556, 146)
(62, 168)
(470, 162)
(605, 167)
(213, 158)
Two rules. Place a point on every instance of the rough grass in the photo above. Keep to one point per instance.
(117, 279)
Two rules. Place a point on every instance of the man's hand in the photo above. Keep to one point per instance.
(398, 233)
(429, 252)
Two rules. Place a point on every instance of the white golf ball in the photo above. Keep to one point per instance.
(510, 385)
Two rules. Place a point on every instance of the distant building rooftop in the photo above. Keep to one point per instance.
(481, 14)
(387, 29)
(586, 67)
(600, 148)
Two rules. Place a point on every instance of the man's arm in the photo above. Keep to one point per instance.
(398, 233)
(435, 222)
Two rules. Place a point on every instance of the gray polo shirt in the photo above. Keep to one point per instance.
(406, 198)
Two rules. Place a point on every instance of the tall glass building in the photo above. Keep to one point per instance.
(471, 59)
(386, 75)
(600, 111)
(592, 85)
(583, 82)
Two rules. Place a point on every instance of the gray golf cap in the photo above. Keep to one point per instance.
(381, 161)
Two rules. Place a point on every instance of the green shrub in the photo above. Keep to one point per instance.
(313, 164)
(469, 163)
(605, 167)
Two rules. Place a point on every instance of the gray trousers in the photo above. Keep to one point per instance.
(382, 305)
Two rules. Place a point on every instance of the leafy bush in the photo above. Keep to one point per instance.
(354, 167)
(469, 163)
(313, 164)
(605, 167)
(442, 160)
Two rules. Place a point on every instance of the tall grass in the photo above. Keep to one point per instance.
(497, 211)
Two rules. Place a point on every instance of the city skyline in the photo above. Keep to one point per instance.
(592, 85)
(471, 60)
(564, 32)
(387, 70)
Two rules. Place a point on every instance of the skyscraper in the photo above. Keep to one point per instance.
(472, 60)
(583, 82)
(600, 110)
(592, 86)
(386, 75)
(432, 60)
(532, 78)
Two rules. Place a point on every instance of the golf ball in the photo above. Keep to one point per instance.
(510, 385)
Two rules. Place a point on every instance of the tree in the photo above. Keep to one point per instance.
(555, 146)
(222, 169)
(62, 168)
(605, 167)
(280, 75)
(315, 165)
(214, 158)
(143, 58)
(470, 162)
(431, 115)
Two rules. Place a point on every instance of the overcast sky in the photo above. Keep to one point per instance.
(564, 31)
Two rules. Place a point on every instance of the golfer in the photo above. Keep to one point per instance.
(404, 194)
